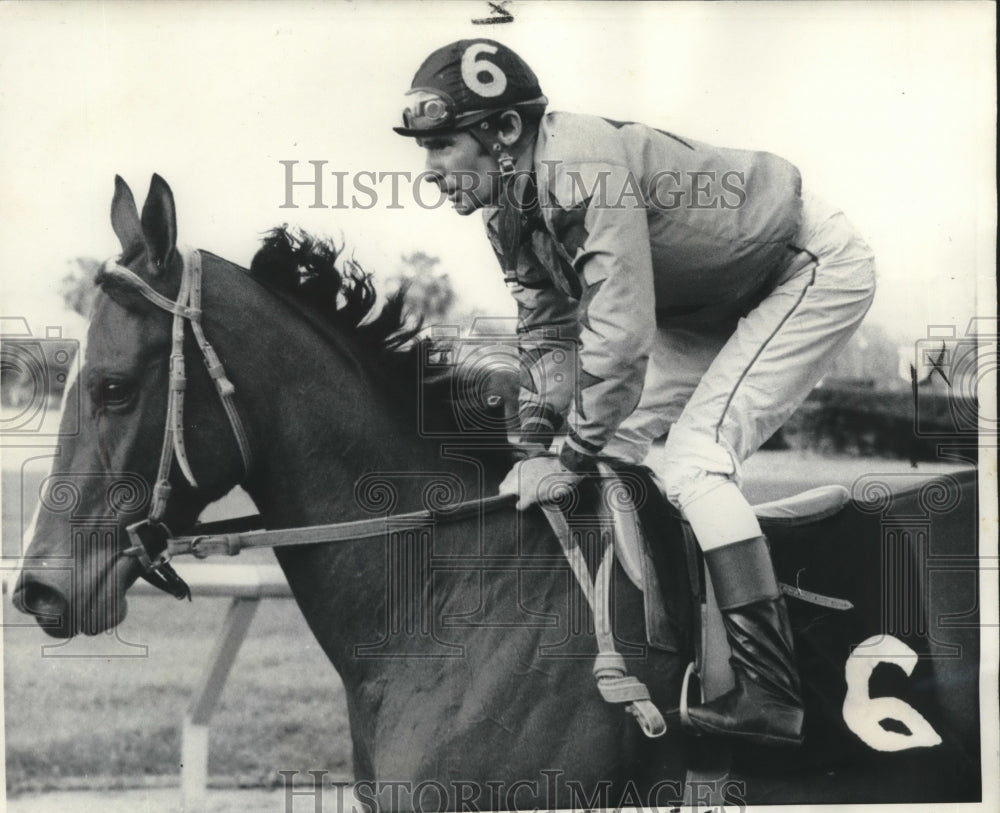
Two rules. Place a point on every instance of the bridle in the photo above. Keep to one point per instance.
(153, 544)
(150, 533)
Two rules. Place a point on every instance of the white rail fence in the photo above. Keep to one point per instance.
(246, 586)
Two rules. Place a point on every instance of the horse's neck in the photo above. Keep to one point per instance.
(331, 447)
(319, 469)
(324, 432)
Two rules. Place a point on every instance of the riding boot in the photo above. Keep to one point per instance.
(765, 706)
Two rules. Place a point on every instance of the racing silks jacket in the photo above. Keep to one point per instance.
(635, 227)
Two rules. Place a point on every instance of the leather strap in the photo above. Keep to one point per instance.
(232, 543)
(613, 681)
(187, 308)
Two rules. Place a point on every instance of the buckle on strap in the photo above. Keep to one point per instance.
(149, 543)
(165, 578)
(202, 547)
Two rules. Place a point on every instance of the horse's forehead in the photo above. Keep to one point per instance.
(121, 337)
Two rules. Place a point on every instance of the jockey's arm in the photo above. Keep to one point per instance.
(606, 237)
(547, 330)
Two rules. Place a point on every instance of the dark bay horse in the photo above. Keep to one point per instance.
(465, 645)
(491, 681)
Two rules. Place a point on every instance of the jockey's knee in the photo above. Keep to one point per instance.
(683, 484)
(692, 469)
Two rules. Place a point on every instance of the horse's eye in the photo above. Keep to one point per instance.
(115, 393)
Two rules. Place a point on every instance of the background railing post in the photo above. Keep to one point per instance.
(194, 742)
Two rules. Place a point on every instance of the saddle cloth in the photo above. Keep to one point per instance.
(858, 576)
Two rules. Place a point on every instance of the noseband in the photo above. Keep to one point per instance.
(151, 533)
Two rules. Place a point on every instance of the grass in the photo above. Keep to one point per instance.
(81, 715)
(78, 714)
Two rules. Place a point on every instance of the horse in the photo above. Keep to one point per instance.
(464, 644)
(329, 408)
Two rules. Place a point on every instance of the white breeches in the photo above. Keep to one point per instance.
(724, 389)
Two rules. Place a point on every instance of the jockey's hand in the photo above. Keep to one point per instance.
(538, 480)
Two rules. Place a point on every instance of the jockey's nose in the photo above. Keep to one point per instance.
(432, 170)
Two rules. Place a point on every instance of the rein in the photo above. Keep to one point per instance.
(156, 542)
(153, 544)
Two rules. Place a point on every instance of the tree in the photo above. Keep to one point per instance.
(430, 294)
(870, 358)
(77, 287)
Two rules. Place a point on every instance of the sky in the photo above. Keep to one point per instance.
(888, 109)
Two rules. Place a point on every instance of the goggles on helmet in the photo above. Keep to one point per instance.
(432, 110)
(428, 110)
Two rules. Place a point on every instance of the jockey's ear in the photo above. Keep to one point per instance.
(125, 218)
(159, 222)
(511, 128)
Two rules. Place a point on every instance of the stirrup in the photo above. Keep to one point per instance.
(682, 710)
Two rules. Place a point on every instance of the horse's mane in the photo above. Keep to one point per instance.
(312, 274)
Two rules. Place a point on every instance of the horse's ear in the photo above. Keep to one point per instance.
(159, 222)
(125, 217)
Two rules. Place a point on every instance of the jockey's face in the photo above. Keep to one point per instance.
(463, 170)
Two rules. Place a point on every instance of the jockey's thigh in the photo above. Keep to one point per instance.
(774, 357)
(677, 361)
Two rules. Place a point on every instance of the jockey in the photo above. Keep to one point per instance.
(705, 294)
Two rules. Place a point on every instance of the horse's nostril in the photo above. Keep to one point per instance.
(48, 605)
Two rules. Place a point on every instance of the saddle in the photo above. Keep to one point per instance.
(651, 536)
(660, 556)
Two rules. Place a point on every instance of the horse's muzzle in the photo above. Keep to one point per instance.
(49, 607)
(60, 616)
